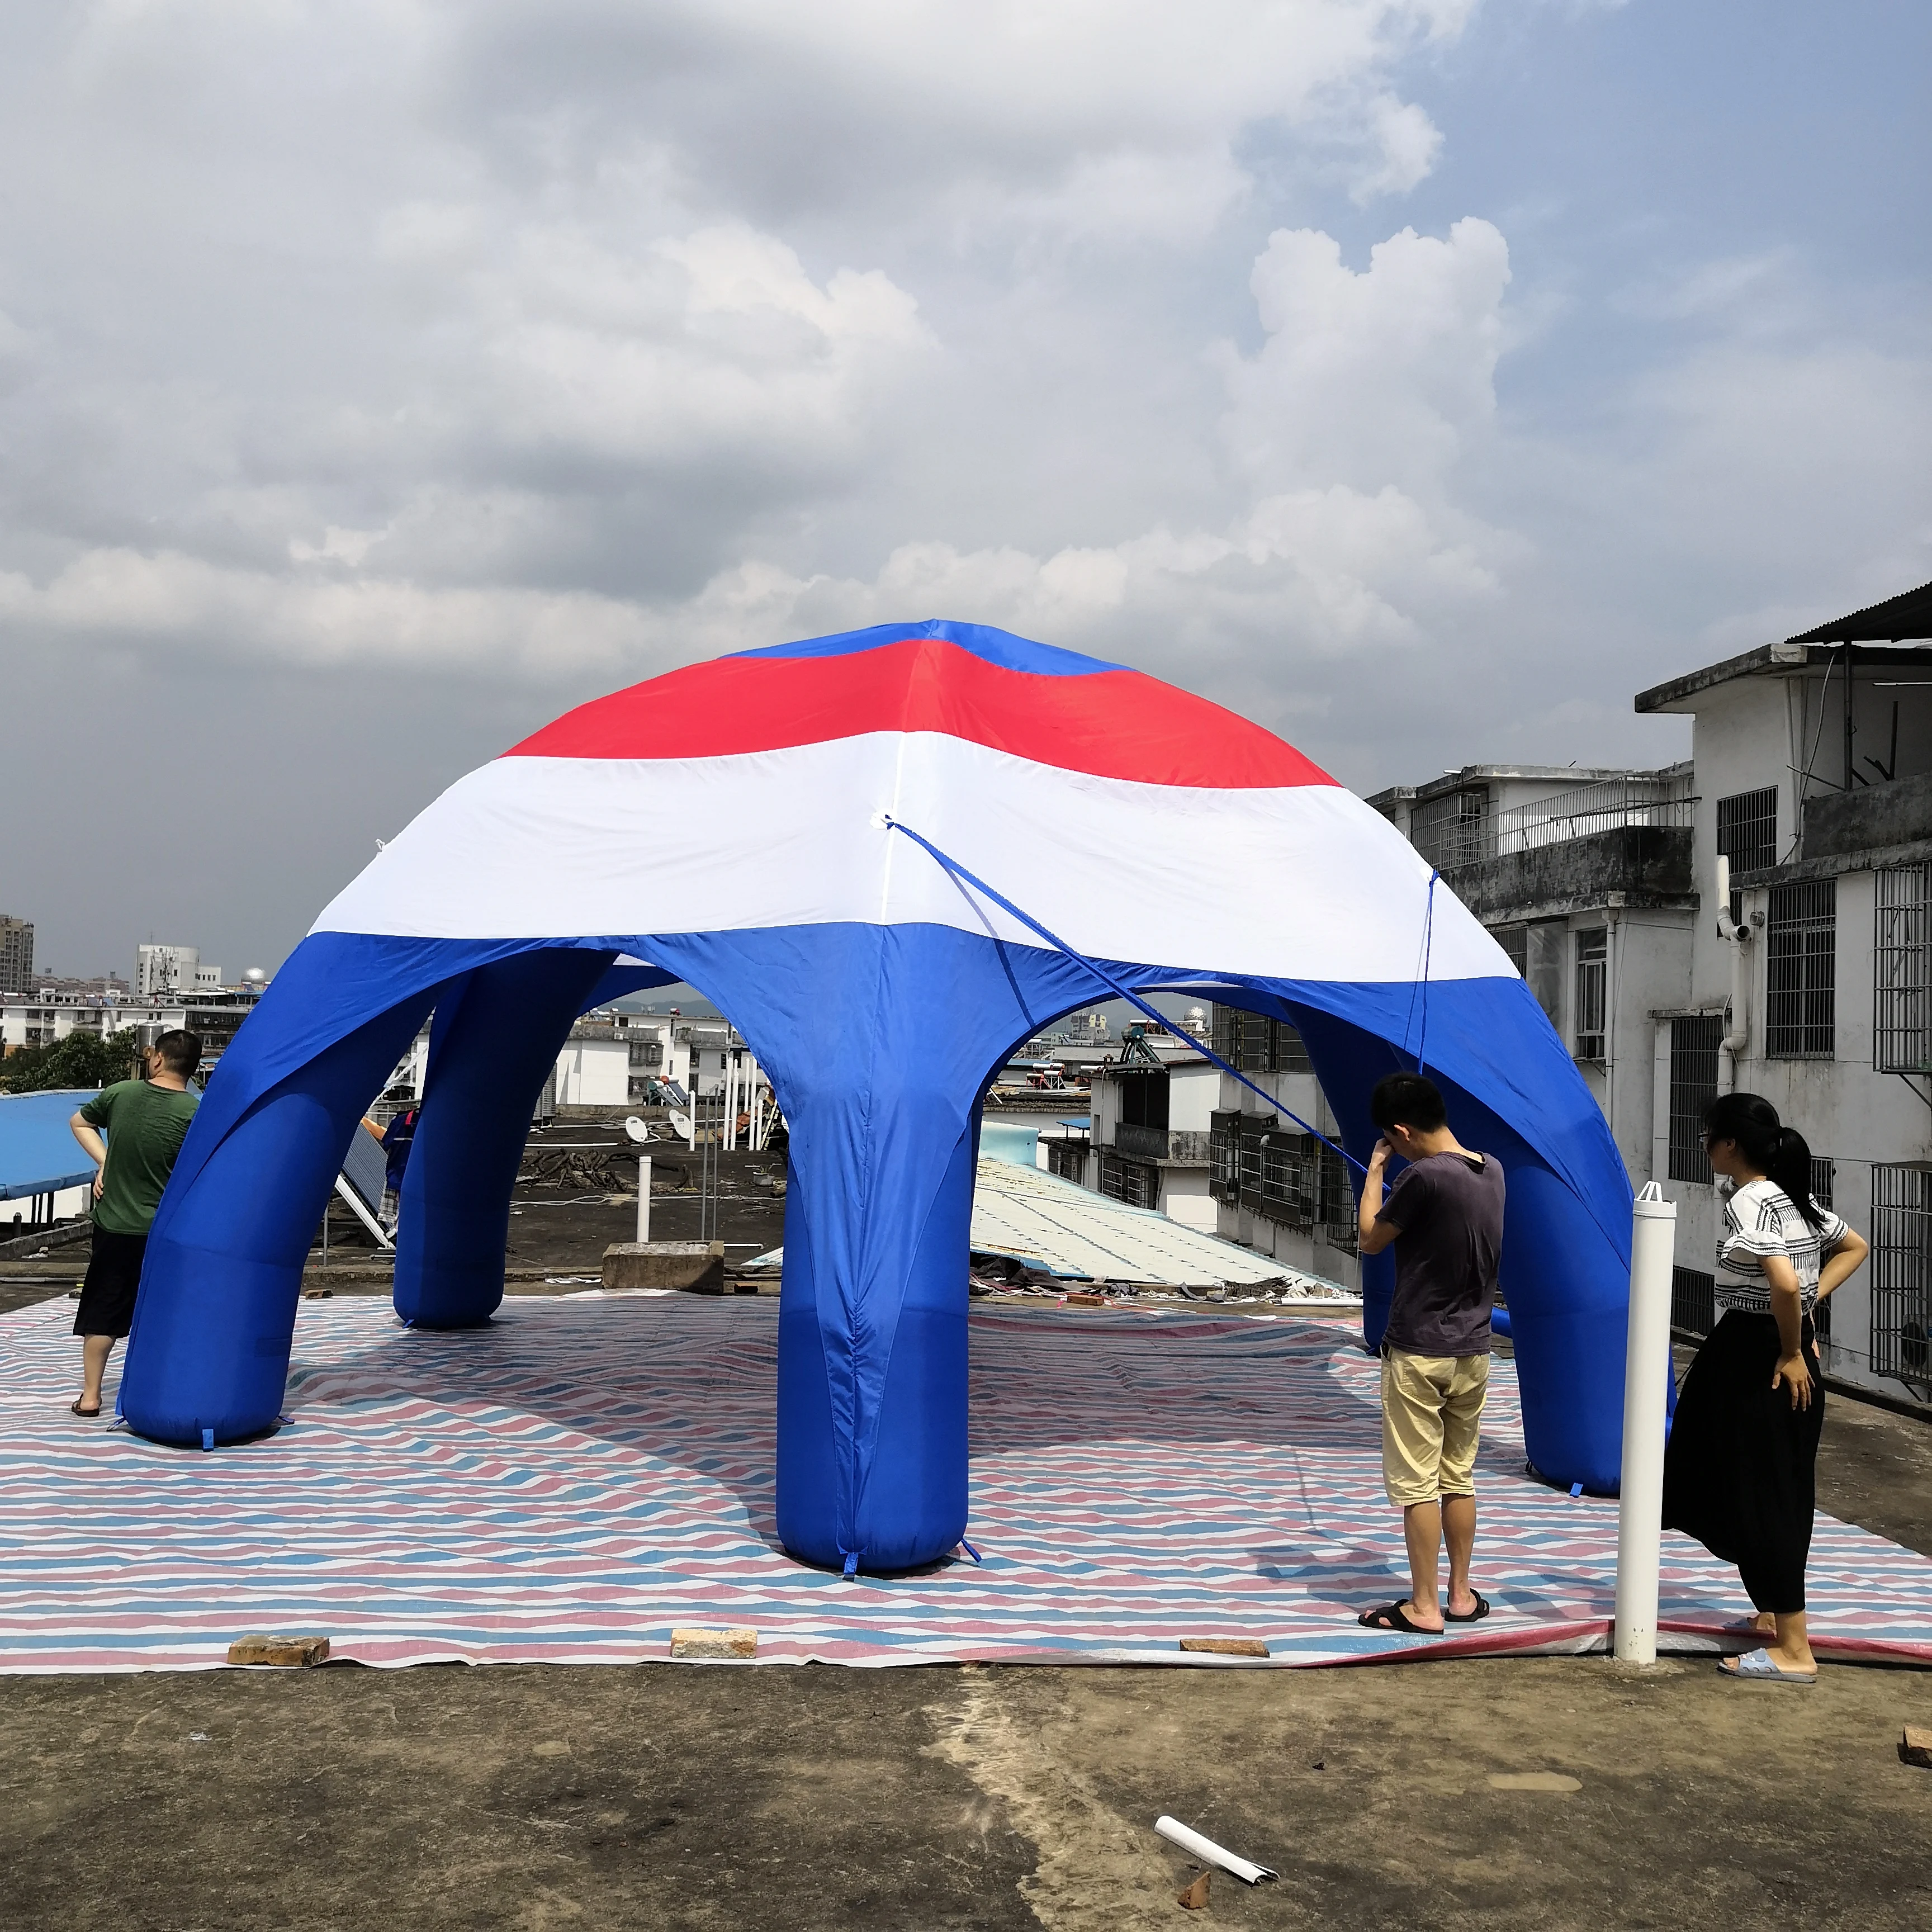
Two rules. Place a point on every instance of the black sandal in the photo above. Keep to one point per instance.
(87, 1414)
(1390, 1617)
(1474, 1616)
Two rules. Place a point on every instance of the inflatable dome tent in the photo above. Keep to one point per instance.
(890, 857)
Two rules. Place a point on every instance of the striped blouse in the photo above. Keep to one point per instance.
(1760, 1219)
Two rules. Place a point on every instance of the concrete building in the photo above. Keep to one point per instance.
(1586, 878)
(41, 1018)
(16, 954)
(1275, 1186)
(618, 1059)
(1810, 982)
(1150, 1130)
(1814, 759)
(161, 971)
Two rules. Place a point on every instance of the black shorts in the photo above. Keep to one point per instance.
(113, 1274)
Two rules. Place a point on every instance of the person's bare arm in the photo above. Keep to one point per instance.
(1371, 1235)
(370, 1127)
(1793, 1371)
(1844, 1261)
(93, 1146)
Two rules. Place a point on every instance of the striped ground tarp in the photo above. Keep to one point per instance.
(588, 1472)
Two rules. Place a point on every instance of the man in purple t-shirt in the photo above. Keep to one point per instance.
(1445, 1216)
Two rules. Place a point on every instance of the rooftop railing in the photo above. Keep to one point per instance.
(1611, 804)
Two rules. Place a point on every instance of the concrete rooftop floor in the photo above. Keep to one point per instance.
(670, 1795)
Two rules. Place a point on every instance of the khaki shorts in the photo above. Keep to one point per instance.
(1431, 1418)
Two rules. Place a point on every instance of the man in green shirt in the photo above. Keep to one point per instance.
(145, 1122)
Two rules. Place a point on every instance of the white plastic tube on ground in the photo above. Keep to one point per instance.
(1189, 1839)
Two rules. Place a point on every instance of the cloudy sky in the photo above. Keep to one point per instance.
(1421, 377)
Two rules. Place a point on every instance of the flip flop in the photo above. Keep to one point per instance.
(1389, 1617)
(74, 1408)
(1759, 1666)
(1474, 1616)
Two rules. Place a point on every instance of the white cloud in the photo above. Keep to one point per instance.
(1380, 375)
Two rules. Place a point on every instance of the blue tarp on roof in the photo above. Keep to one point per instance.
(38, 1152)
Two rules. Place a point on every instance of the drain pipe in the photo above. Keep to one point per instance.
(1737, 1037)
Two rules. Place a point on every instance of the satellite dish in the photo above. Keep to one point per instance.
(636, 1128)
(680, 1125)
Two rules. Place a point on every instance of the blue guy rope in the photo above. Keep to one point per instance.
(1428, 949)
(960, 874)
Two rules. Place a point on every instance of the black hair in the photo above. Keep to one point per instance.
(1780, 1153)
(1411, 1100)
(180, 1051)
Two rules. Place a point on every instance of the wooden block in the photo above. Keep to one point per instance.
(285, 1652)
(740, 1642)
(1196, 1896)
(1081, 1297)
(1227, 1646)
(1916, 1747)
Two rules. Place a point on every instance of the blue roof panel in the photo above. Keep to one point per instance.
(38, 1152)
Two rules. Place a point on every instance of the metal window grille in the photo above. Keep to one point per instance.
(1593, 970)
(1224, 1156)
(1694, 1301)
(1514, 940)
(1448, 829)
(1801, 970)
(1130, 1182)
(1693, 1086)
(1747, 829)
(1824, 1173)
(1257, 1045)
(1901, 1261)
(1291, 1183)
(1067, 1158)
(1337, 1200)
(1902, 970)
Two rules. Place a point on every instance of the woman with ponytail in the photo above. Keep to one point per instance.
(1738, 1474)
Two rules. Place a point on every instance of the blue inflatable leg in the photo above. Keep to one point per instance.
(490, 1058)
(210, 1347)
(912, 1507)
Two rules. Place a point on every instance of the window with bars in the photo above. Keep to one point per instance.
(1824, 1173)
(1256, 1044)
(1448, 830)
(1067, 1158)
(1747, 830)
(1901, 1265)
(1337, 1201)
(1693, 1086)
(1593, 971)
(1801, 938)
(1902, 970)
(1694, 1301)
(1132, 1183)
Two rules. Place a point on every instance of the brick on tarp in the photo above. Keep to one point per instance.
(286, 1653)
(1916, 1747)
(1226, 1646)
(738, 1641)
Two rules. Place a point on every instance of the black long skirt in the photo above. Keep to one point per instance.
(1740, 1473)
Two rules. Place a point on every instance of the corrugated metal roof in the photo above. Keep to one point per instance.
(1067, 1230)
(1909, 615)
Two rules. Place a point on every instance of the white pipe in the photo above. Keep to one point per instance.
(1205, 1849)
(644, 1198)
(1737, 1039)
(731, 1082)
(1646, 1383)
